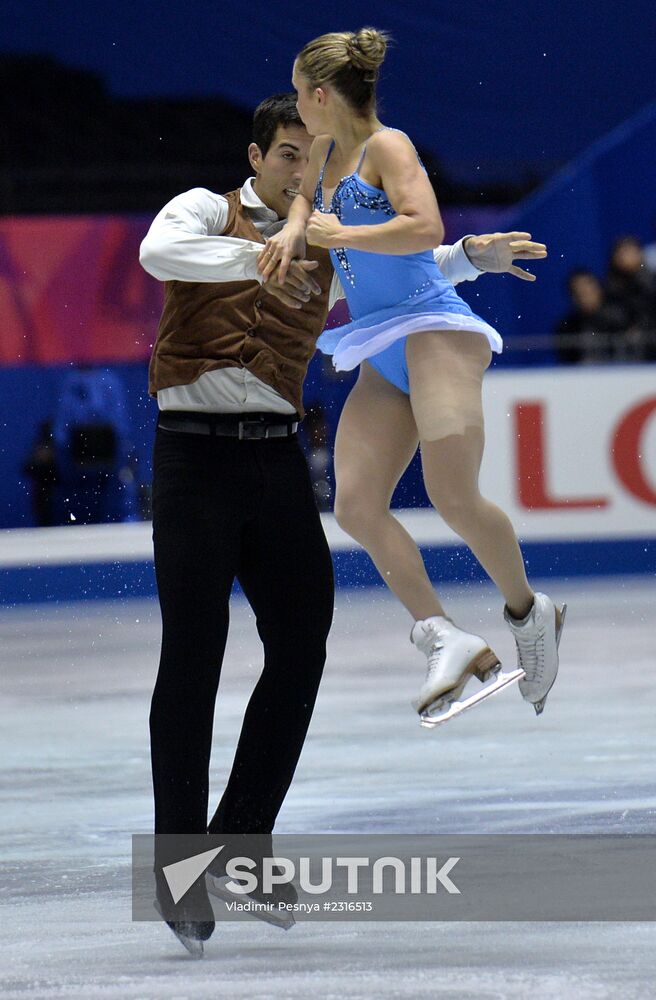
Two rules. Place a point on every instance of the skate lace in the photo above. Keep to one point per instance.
(434, 650)
(530, 652)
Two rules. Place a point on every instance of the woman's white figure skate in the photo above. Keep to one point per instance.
(537, 638)
(454, 657)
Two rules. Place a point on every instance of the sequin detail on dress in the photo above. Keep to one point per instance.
(350, 187)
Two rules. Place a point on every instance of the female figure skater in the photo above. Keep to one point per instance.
(422, 351)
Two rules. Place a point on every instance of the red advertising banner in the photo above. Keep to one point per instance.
(72, 289)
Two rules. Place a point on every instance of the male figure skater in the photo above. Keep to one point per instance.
(231, 493)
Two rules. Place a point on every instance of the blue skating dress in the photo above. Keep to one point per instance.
(389, 295)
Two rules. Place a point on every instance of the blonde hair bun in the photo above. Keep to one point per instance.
(349, 60)
(366, 49)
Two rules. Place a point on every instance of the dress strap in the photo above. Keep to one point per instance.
(323, 169)
(383, 128)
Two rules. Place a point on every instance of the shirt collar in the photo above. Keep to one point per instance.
(254, 203)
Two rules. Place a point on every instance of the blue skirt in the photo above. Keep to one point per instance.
(374, 332)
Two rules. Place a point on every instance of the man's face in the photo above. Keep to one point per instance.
(280, 172)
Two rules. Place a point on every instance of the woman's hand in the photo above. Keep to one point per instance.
(497, 252)
(324, 230)
(280, 251)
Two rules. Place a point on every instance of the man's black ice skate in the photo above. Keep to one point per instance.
(190, 933)
(275, 907)
(191, 919)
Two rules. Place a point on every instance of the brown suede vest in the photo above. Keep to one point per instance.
(228, 324)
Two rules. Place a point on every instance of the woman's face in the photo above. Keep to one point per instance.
(308, 105)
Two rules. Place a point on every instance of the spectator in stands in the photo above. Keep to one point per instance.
(93, 449)
(649, 253)
(41, 468)
(588, 334)
(632, 288)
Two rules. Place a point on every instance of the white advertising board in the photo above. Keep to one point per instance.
(571, 452)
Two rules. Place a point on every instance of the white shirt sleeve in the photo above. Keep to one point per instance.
(454, 263)
(184, 242)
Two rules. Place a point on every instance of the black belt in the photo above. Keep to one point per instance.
(244, 426)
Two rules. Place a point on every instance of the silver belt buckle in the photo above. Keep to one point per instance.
(248, 430)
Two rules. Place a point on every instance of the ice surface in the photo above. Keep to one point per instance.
(75, 785)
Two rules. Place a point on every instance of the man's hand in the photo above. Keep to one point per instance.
(279, 251)
(298, 286)
(496, 252)
(324, 230)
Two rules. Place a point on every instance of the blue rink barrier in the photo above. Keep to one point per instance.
(109, 562)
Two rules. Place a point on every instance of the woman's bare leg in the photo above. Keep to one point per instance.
(376, 439)
(446, 372)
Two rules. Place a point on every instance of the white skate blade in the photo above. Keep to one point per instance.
(563, 612)
(193, 945)
(502, 680)
(217, 887)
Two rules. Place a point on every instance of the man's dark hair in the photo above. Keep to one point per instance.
(272, 112)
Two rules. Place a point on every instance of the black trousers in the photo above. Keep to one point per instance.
(225, 508)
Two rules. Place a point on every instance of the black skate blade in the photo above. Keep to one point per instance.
(216, 887)
(193, 944)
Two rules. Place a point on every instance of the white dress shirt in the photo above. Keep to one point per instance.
(186, 243)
